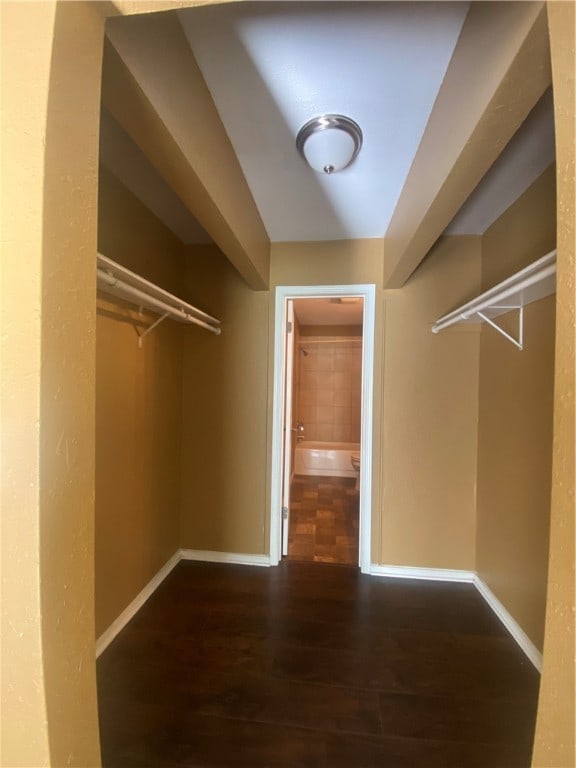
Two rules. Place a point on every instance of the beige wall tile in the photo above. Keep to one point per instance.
(326, 361)
(324, 432)
(324, 414)
(341, 415)
(342, 361)
(341, 433)
(309, 361)
(308, 380)
(356, 379)
(307, 397)
(307, 414)
(343, 397)
(342, 380)
(326, 380)
(325, 397)
(310, 431)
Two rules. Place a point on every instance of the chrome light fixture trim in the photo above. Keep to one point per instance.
(331, 122)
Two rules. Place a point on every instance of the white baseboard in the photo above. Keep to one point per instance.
(394, 571)
(118, 625)
(510, 623)
(446, 574)
(429, 574)
(182, 554)
(237, 558)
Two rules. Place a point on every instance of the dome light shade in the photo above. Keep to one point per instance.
(329, 143)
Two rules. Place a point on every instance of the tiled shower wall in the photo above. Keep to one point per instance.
(329, 389)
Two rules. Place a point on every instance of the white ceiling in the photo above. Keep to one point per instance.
(271, 67)
(332, 311)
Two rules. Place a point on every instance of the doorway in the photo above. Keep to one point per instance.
(322, 435)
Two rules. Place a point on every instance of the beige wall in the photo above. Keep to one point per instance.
(526, 231)
(425, 396)
(50, 102)
(48, 699)
(515, 424)
(554, 745)
(427, 431)
(224, 451)
(138, 410)
(430, 415)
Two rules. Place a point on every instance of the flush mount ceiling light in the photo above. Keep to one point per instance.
(329, 143)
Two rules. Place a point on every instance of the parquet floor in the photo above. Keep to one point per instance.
(323, 520)
(313, 665)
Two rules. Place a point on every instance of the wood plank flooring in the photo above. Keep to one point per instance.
(314, 665)
(324, 515)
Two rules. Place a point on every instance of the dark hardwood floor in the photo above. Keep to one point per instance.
(324, 514)
(314, 665)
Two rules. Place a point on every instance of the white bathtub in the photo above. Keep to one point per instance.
(329, 459)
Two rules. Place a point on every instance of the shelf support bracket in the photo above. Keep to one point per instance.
(150, 328)
(519, 342)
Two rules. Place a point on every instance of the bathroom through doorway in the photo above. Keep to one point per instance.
(323, 520)
(321, 463)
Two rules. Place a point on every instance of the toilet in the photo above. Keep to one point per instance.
(355, 461)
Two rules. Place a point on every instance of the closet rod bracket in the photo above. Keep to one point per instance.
(519, 342)
(150, 328)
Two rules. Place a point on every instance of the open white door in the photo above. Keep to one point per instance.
(287, 425)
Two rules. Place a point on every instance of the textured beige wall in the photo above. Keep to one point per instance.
(48, 683)
(425, 396)
(515, 424)
(227, 389)
(224, 449)
(555, 738)
(24, 736)
(526, 231)
(341, 262)
(138, 410)
(430, 415)
(35, 156)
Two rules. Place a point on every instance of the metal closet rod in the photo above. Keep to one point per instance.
(117, 280)
(146, 300)
(541, 273)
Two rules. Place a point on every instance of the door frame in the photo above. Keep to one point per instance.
(283, 293)
(287, 421)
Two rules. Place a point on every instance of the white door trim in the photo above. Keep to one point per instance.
(288, 419)
(283, 293)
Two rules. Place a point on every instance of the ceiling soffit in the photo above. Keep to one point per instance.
(530, 152)
(153, 88)
(499, 71)
(129, 164)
